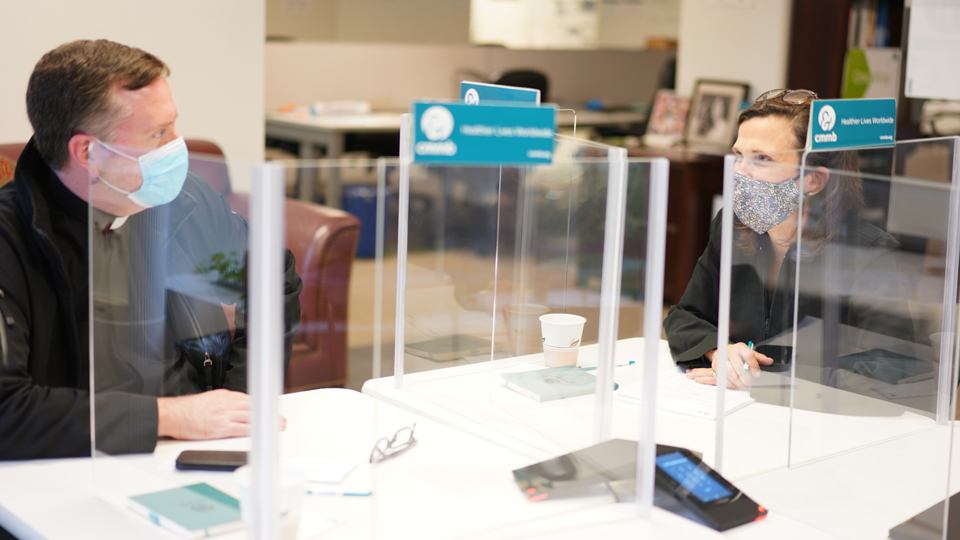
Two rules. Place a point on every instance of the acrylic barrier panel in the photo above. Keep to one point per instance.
(167, 288)
(336, 345)
(498, 248)
(447, 437)
(350, 277)
(488, 280)
(196, 304)
(872, 292)
(642, 365)
(874, 352)
(736, 305)
(388, 498)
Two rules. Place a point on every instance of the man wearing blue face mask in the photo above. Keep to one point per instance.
(106, 173)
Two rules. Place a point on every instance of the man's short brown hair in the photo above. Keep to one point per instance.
(69, 91)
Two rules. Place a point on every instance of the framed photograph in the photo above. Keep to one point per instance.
(713, 112)
(668, 117)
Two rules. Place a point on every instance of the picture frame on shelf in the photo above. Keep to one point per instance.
(712, 120)
(668, 119)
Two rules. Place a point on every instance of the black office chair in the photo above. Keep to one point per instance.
(526, 78)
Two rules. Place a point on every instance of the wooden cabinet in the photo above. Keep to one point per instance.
(695, 178)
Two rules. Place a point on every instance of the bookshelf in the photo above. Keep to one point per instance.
(823, 30)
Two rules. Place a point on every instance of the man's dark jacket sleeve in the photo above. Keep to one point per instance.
(50, 421)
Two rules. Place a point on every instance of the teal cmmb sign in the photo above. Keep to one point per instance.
(457, 133)
(476, 93)
(837, 124)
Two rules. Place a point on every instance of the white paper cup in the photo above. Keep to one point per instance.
(291, 488)
(560, 356)
(562, 329)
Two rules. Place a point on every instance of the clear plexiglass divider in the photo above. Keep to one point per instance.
(401, 492)
(859, 326)
(874, 373)
(207, 311)
(454, 285)
(485, 251)
(736, 307)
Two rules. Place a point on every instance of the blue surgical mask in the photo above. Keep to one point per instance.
(163, 171)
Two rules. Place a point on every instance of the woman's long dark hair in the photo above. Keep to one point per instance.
(828, 208)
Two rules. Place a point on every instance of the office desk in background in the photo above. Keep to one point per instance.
(311, 133)
(329, 132)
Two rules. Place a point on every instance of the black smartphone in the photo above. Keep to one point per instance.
(211, 460)
(781, 355)
(713, 499)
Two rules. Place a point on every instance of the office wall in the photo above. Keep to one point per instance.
(375, 21)
(571, 24)
(534, 24)
(308, 20)
(517, 23)
(631, 24)
(214, 49)
(744, 40)
(399, 21)
(392, 75)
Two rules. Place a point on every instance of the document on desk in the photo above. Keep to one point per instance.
(678, 394)
(357, 483)
(332, 476)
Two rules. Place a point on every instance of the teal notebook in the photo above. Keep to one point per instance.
(194, 511)
(551, 383)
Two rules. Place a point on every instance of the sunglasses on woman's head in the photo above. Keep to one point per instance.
(792, 97)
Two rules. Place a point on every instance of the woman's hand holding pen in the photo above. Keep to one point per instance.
(743, 364)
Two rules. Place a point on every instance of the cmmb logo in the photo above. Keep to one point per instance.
(827, 118)
(471, 97)
(437, 125)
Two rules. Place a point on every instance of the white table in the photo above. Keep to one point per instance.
(757, 442)
(329, 131)
(450, 484)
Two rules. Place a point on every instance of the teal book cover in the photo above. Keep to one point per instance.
(194, 511)
(551, 383)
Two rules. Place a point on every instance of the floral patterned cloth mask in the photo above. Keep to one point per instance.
(763, 205)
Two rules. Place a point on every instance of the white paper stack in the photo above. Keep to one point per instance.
(678, 394)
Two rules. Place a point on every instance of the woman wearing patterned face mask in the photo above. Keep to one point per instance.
(767, 193)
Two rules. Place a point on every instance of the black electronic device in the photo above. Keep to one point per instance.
(712, 498)
(685, 485)
(211, 460)
(781, 355)
(581, 473)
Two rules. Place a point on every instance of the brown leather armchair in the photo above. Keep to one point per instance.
(324, 242)
(8, 160)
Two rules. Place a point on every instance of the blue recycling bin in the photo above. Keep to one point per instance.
(361, 201)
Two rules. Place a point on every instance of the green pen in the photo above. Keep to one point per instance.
(746, 366)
